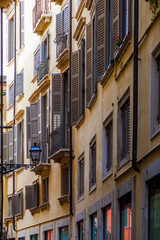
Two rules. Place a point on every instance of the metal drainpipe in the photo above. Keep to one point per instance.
(1, 227)
(14, 105)
(70, 125)
(135, 87)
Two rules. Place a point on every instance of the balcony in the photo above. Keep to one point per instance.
(44, 164)
(41, 17)
(58, 2)
(59, 143)
(5, 3)
(43, 70)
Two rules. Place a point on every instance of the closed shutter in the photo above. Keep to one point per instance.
(45, 190)
(21, 23)
(82, 80)
(10, 145)
(56, 100)
(125, 129)
(81, 184)
(28, 196)
(101, 38)
(65, 180)
(36, 194)
(9, 40)
(15, 204)
(115, 22)
(89, 61)
(93, 165)
(109, 132)
(5, 147)
(59, 25)
(66, 19)
(16, 146)
(34, 123)
(48, 122)
(75, 86)
(109, 33)
(28, 130)
(40, 123)
(19, 84)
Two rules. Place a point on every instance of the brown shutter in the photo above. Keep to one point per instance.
(28, 196)
(37, 193)
(115, 23)
(28, 128)
(66, 19)
(48, 121)
(20, 197)
(40, 124)
(5, 147)
(21, 23)
(34, 122)
(15, 143)
(56, 100)
(58, 24)
(81, 166)
(14, 204)
(101, 39)
(89, 62)
(10, 145)
(109, 137)
(82, 80)
(75, 86)
(65, 180)
(93, 165)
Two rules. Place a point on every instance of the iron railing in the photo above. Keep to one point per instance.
(37, 12)
(43, 69)
(59, 139)
(62, 43)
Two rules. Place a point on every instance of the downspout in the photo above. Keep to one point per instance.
(14, 104)
(135, 87)
(1, 227)
(70, 125)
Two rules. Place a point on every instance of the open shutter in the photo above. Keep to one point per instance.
(66, 19)
(115, 22)
(101, 38)
(9, 40)
(35, 194)
(59, 25)
(48, 121)
(15, 204)
(20, 202)
(28, 196)
(56, 100)
(16, 146)
(89, 62)
(75, 86)
(82, 80)
(19, 84)
(10, 145)
(34, 123)
(5, 147)
(65, 180)
(21, 23)
(28, 128)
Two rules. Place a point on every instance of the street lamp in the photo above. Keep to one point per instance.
(35, 152)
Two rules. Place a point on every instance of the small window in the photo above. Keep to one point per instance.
(34, 237)
(48, 235)
(125, 217)
(65, 181)
(63, 233)
(45, 190)
(19, 84)
(107, 223)
(92, 175)
(80, 230)
(11, 95)
(11, 40)
(81, 177)
(94, 226)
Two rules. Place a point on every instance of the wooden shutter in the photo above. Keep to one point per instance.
(45, 190)
(21, 23)
(56, 100)
(101, 38)
(59, 25)
(20, 195)
(35, 194)
(115, 23)
(28, 131)
(66, 19)
(9, 40)
(82, 79)
(47, 46)
(28, 196)
(75, 86)
(81, 184)
(48, 122)
(5, 147)
(34, 122)
(65, 180)
(10, 145)
(93, 165)
(19, 84)
(16, 146)
(15, 204)
(109, 134)
(89, 61)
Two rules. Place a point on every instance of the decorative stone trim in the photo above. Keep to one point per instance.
(79, 217)
(80, 9)
(62, 223)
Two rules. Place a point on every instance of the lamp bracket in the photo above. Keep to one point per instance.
(7, 168)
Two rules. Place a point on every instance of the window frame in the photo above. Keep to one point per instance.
(48, 227)
(91, 145)
(80, 159)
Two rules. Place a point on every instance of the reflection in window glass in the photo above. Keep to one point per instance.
(64, 233)
(49, 235)
(107, 223)
(80, 230)
(94, 227)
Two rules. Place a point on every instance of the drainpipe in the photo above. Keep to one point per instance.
(70, 99)
(135, 87)
(14, 105)
(1, 72)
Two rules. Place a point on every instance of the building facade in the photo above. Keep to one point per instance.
(110, 187)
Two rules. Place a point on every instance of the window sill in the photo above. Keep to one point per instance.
(64, 198)
(92, 101)
(34, 210)
(122, 162)
(10, 107)
(20, 97)
(80, 199)
(21, 50)
(80, 121)
(107, 175)
(10, 63)
(107, 74)
(92, 188)
(155, 133)
(35, 78)
(121, 50)
(9, 219)
(19, 216)
(44, 206)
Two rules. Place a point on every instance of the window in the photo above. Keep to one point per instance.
(154, 208)
(65, 180)
(21, 19)
(48, 235)
(94, 226)
(45, 190)
(125, 217)
(107, 223)
(32, 196)
(15, 204)
(123, 129)
(43, 67)
(80, 230)
(92, 174)
(63, 233)
(19, 84)
(11, 40)
(34, 237)
(11, 95)
(21, 238)
(36, 61)
(124, 17)
(81, 177)
(155, 91)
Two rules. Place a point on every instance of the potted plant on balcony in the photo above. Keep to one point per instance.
(154, 5)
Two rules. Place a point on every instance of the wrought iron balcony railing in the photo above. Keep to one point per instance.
(37, 12)
(59, 139)
(43, 69)
(62, 43)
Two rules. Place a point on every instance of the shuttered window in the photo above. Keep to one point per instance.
(65, 180)
(115, 23)
(36, 61)
(28, 131)
(10, 145)
(81, 178)
(11, 40)
(21, 9)
(82, 80)
(92, 164)
(109, 143)
(158, 80)
(15, 204)
(11, 95)
(32, 196)
(89, 62)
(45, 190)
(10, 206)
(19, 143)
(34, 122)
(5, 147)
(19, 84)
(125, 115)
